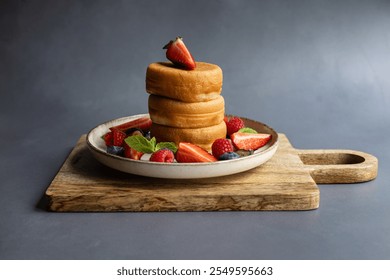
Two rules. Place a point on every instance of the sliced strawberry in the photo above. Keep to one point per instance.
(118, 137)
(131, 153)
(249, 141)
(143, 123)
(108, 138)
(178, 53)
(226, 120)
(188, 152)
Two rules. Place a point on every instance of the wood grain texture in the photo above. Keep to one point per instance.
(83, 184)
(286, 182)
(339, 166)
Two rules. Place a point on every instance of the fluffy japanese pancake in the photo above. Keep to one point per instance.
(170, 112)
(204, 83)
(203, 136)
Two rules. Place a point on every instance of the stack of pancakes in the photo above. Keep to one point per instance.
(186, 105)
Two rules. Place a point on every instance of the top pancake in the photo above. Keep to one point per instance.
(204, 83)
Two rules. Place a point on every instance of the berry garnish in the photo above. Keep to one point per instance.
(130, 152)
(226, 120)
(249, 141)
(108, 138)
(142, 144)
(229, 155)
(178, 53)
(129, 140)
(188, 152)
(115, 150)
(221, 146)
(118, 137)
(143, 123)
(163, 155)
(234, 124)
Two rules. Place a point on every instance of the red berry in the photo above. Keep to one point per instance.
(131, 153)
(108, 138)
(221, 146)
(163, 155)
(188, 152)
(249, 141)
(234, 125)
(226, 120)
(143, 123)
(118, 137)
(178, 53)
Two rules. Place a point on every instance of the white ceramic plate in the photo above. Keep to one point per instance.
(179, 170)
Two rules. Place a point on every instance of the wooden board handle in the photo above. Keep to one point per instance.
(339, 166)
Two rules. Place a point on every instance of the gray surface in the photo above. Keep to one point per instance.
(315, 70)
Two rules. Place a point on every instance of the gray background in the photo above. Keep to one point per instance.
(317, 71)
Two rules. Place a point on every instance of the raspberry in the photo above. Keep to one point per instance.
(163, 155)
(221, 146)
(234, 125)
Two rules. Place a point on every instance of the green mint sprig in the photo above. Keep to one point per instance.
(143, 145)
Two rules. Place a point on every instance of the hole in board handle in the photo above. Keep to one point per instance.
(330, 158)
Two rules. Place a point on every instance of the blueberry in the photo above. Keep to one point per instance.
(115, 150)
(229, 155)
(147, 135)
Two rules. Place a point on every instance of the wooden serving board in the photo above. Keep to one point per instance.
(286, 182)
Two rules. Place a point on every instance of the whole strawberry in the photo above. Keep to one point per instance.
(178, 53)
(234, 124)
(163, 155)
(221, 146)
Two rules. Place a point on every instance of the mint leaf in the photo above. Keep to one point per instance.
(247, 130)
(167, 145)
(141, 144)
(153, 142)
